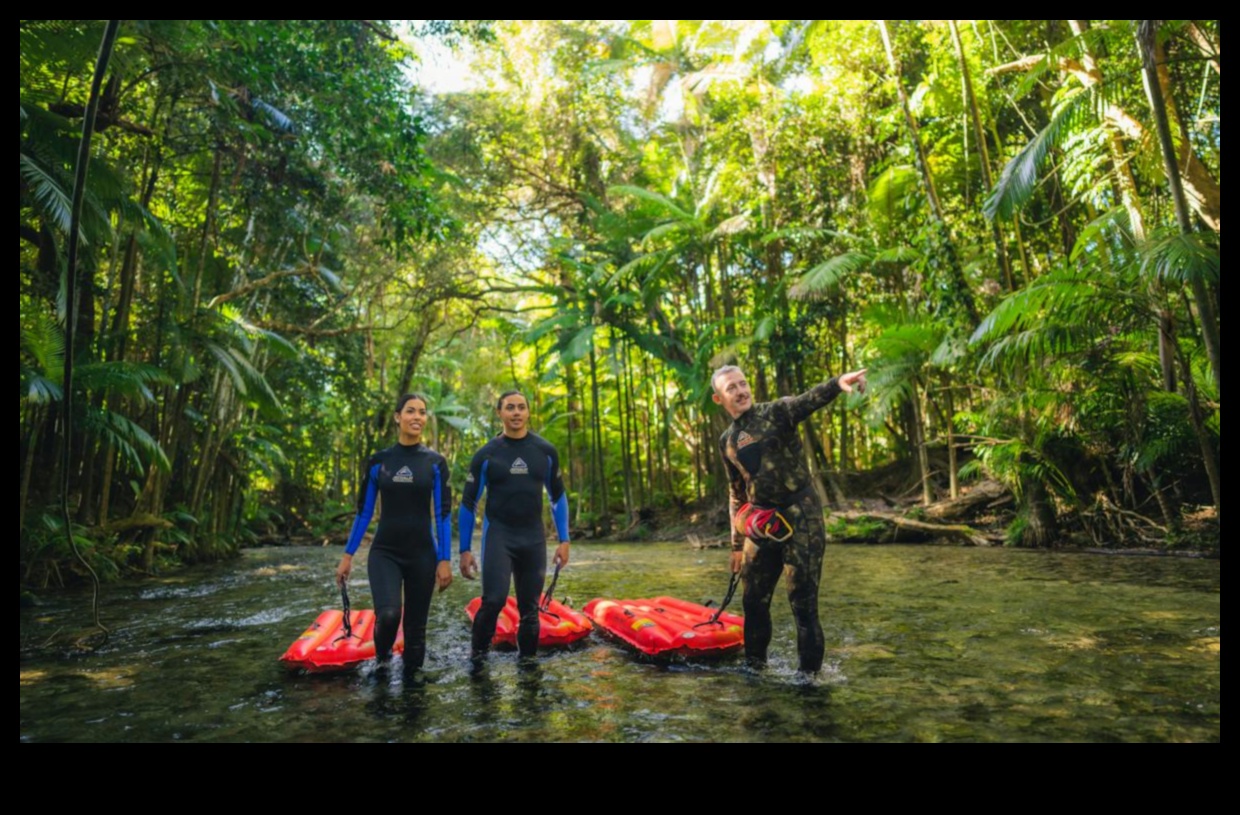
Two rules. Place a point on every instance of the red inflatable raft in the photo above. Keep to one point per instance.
(558, 624)
(325, 646)
(668, 627)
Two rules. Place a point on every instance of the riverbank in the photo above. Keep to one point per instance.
(983, 514)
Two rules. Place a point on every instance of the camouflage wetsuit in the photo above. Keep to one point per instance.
(766, 467)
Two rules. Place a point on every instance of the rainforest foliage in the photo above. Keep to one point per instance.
(1014, 225)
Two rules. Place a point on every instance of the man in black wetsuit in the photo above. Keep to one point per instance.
(516, 466)
(776, 515)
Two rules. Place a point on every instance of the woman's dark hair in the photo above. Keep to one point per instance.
(499, 403)
(400, 403)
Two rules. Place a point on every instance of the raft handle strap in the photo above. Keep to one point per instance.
(732, 583)
(348, 626)
(545, 603)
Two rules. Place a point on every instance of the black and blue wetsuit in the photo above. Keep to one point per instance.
(514, 543)
(414, 534)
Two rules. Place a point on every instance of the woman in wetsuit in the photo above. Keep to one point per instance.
(412, 546)
(516, 466)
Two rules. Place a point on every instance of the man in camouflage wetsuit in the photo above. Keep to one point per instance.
(766, 469)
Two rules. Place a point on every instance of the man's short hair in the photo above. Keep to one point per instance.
(725, 369)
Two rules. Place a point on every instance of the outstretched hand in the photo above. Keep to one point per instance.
(853, 380)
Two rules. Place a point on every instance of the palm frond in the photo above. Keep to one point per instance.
(671, 228)
(765, 328)
(275, 116)
(48, 193)
(951, 349)
(1019, 178)
(898, 254)
(157, 232)
(44, 341)
(130, 439)
(661, 202)
(577, 345)
(331, 279)
(277, 340)
(1181, 257)
(225, 358)
(39, 389)
(889, 191)
(131, 379)
(258, 386)
(912, 340)
(1056, 293)
(650, 263)
(1114, 221)
(559, 322)
(826, 276)
(731, 226)
(889, 388)
(1042, 342)
(798, 233)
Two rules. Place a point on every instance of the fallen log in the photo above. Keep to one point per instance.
(886, 527)
(142, 521)
(985, 495)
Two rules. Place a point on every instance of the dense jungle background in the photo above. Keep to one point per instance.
(1014, 225)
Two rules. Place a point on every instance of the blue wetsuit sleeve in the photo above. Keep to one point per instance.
(475, 485)
(558, 495)
(365, 509)
(443, 512)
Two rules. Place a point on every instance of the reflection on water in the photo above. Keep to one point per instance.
(923, 644)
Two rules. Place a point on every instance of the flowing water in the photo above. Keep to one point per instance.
(929, 643)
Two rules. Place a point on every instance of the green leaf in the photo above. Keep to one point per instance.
(826, 276)
(578, 346)
(765, 328)
(1019, 178)
(47, 192)
(661, 202)
(274, 115)
(1115, 219)
(1181, 257)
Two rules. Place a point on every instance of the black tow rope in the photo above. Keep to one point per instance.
(732, 584)
(348, 626)
(545, 603)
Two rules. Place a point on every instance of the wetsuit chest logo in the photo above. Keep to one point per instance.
(519, 467)
(403, 476)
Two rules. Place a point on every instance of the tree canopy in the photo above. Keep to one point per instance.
(1015, 225)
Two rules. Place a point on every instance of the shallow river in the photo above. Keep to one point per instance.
(924, 643)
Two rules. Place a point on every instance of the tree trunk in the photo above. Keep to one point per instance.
(1208, 457)
(36, 424)
(1041, 528)
(207, 223)
(604, 511)
(953, 478)
(970, 102)
(626, 468)
(1147, 41)
(923, 455)
(963, 294)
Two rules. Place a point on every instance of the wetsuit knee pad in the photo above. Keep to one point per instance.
(387, 617)
(492, 607)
